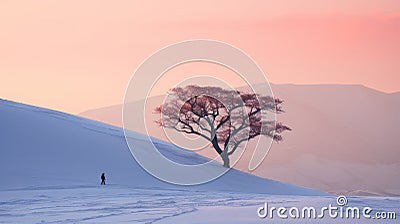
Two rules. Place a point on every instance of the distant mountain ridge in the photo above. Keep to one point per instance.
(344, 138)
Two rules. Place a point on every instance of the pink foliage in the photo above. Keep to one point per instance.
(226, 118)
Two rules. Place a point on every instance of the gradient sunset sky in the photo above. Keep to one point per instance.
(79, 55)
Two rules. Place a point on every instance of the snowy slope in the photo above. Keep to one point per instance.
(348, 131)
(41, 148)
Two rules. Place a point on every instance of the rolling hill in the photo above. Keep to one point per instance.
(344, 138)
(42, 148)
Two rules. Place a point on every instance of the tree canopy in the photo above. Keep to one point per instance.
(226, 118)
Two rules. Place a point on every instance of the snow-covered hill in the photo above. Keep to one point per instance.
(41, 148)
(341, 135)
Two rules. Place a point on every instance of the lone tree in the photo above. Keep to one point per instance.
(226, 118)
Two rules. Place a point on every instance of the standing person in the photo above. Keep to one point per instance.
(103, 179)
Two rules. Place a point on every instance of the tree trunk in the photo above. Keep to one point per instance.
(223, 153)
(225, 158)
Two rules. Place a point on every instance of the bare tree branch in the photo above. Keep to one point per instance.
(192, 109)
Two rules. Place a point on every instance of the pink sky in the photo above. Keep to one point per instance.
(79, 55)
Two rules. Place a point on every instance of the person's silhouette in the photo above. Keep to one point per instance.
(103, 179)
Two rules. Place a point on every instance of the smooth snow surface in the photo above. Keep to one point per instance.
(42, 148)
(50, 166)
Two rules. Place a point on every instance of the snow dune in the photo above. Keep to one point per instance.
(348, 132)
(42, 149)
